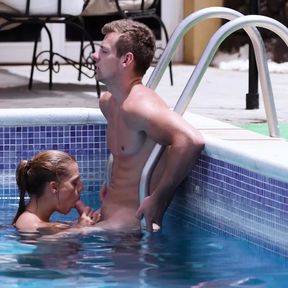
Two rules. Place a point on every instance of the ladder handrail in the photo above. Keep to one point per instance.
(184, 26)
(256, 20)
(258, 45)
(206, 58)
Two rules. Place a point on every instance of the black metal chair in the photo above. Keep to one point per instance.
(133, 9)
(15, 17)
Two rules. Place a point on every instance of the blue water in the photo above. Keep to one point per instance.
(178, 256)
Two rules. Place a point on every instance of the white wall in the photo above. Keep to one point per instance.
(21, 52)
(172, 15)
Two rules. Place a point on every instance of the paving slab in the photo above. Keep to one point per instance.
(221, 93)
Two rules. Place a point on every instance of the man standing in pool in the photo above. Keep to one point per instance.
(137, 118)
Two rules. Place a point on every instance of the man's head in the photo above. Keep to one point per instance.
(136, 38)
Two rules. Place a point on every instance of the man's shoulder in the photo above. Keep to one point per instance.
(140, 88)
(105, 96)
(139, 97)
(143, 104)
(143, 96)
(104, 102)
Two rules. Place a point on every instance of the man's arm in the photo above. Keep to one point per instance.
(184, 145)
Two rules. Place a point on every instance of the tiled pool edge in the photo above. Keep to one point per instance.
(50, 116)
(237, 188)
(24, 132)
(229, 189)
(219, 196)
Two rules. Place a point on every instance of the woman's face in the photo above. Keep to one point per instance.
(69, 189)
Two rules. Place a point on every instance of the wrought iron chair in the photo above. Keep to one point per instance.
(33, 14)
(132, 9)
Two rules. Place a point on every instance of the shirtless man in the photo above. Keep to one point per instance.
(137, 118)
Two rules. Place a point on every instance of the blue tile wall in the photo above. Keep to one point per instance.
(87, 143)
(223, 197)
(217, 196)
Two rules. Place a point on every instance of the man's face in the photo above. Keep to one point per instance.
(105, 57)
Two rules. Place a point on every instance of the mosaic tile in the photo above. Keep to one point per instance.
(217, 195)
(82, 141)
(237, 201)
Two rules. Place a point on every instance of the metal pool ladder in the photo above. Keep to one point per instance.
(238, 21)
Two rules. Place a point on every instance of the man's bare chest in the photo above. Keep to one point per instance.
(123, 138)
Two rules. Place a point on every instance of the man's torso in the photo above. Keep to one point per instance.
(130, 148)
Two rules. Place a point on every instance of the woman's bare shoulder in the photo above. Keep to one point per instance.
(30, 222)
(27, 221)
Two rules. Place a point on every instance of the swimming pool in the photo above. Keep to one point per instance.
(179, 256)
(238, 187)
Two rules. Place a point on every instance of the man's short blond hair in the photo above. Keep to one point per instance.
(136, 38)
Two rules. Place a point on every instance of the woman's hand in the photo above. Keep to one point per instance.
(88, 216)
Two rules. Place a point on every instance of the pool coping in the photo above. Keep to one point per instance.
(250, 150)
(51, 116)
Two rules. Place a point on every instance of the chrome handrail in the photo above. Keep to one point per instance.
(184, 26)
(208, 54)
(258, 45)
(215, 41)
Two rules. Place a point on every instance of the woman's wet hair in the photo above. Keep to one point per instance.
(136, 38)
(32, 175)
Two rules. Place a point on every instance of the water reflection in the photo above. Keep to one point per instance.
(177, 256)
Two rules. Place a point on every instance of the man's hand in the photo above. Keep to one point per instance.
(152, 212)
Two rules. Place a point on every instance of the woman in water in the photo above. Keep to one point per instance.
(51, 179)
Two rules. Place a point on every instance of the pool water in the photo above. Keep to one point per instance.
(178, 256)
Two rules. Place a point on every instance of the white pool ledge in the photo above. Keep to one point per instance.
(252, 151)
(50, 116)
